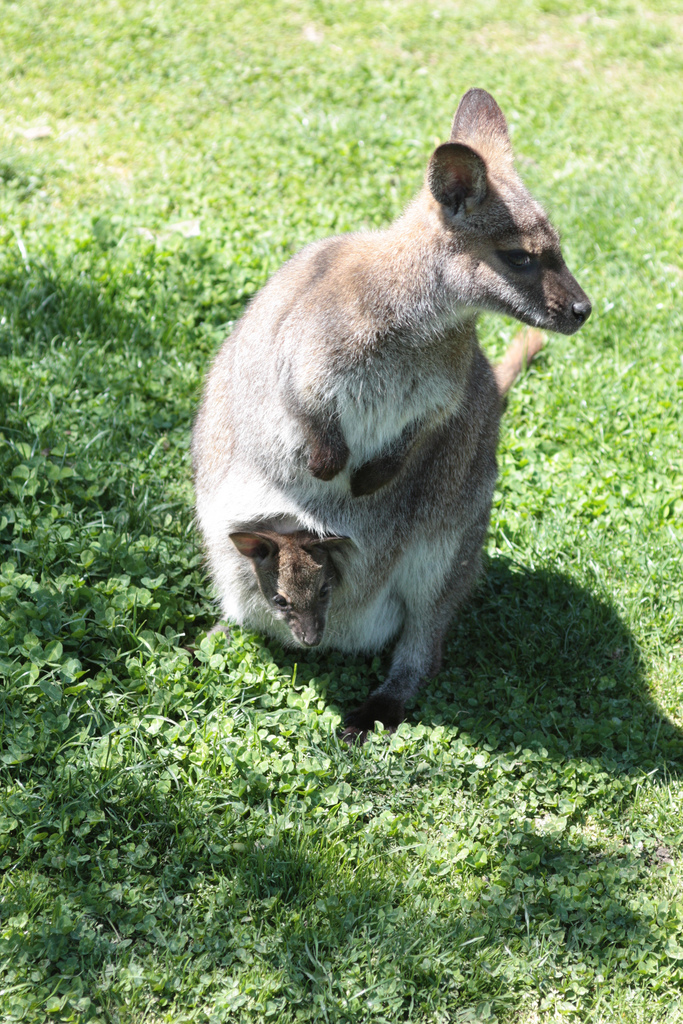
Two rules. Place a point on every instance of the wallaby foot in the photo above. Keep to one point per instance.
(525, 345)
(387, 710)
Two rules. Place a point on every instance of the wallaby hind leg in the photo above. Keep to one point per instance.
(417, 657)
(418, 652)
(523, 348)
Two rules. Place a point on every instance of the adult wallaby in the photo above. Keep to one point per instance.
(353, 399)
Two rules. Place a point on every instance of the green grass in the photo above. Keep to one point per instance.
(182, 836)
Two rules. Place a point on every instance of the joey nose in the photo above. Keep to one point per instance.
(308, 635)
(309, 640)
(582, 310)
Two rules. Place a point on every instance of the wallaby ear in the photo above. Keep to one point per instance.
(333, 546)
(257, 546)
(456, 173)
(480, 122)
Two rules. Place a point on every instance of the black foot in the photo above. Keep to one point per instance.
(360, 722)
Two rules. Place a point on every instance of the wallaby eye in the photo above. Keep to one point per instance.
(280, 601)
(324, 590)
(518, 259)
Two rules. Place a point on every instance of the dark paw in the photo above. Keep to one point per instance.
(360, 722)
(373, 475)
(326, 461)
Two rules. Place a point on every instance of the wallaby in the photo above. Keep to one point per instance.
(296, 574)
(353, 399)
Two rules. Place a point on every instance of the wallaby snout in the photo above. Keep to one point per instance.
(308, 630)
(582, 310)
(553, 298)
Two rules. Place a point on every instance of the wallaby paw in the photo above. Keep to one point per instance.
(354, 737)
(373, 475)
(323, 469)
(359, 723)
(327, 459)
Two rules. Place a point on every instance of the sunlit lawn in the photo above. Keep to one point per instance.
(182, 836)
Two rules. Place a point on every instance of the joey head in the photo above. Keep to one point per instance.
(296, 575)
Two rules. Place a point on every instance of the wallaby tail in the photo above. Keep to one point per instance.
(522, 349)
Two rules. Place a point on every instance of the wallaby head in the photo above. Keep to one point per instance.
(296, 575)
(504, 255)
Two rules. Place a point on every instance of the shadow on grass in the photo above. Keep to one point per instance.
(115, 286)
(536, 660)
(297, 921)
(46, 306)
(407, 944)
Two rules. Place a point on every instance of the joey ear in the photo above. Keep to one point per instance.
(333, 542)
(331, 546)
(328, 543)
(480, 122)
(257, 546)
(456, 173)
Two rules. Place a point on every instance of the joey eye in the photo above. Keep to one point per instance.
(518, 259)
(324, 590)
(280, 601)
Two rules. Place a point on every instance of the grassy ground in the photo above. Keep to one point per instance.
(185, 839)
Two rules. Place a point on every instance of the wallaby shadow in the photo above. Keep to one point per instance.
(335, 912)
(536, 660)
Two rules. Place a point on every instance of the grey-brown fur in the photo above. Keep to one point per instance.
(296, 574)
(353, 398)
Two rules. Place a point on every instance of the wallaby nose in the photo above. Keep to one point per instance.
(582, 310)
